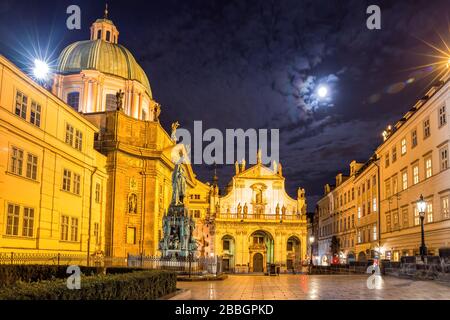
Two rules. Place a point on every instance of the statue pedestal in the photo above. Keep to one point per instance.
(177, 240)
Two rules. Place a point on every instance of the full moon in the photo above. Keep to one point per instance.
(322, 91)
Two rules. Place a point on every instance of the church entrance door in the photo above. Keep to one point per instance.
(258, 262)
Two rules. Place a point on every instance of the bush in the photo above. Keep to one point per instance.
(141, 285)
(10, 274)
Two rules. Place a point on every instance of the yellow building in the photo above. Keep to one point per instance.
(256, 223)
(52, 180)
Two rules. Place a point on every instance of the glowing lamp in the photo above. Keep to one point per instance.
(421, 206)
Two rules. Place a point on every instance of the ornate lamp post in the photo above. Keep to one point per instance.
(311, 241)
(421, 206)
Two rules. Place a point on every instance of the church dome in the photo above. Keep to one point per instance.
(104, 54)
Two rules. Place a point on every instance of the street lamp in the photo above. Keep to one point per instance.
(421, 206)
(311, 241)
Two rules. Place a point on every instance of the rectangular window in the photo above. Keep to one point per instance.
(416, 216)
(405, 218)
(416, 174)
(12, 221)
(429, 212)
(28, 222)
(78, 140)
(443, 152)
(395, 219)
(445, 207)
(394, 184)
(67, 179)
(74, 229)
(359, 236)
(374, 204)
(69, 134)
(413, 138)
(73, 100)
(97, 192)
(387, 188)
(428, 167)
(386, 160)
(131, 235)
(388, 222)
(403, 146)
(21, 105)
(226, 245)
(64, 228)
(76, 183)
(374, 232)
(97, 233)
(31, 166)
(442, 116)
(359, 212)
(35, 115)
(405, 180)
(16, 161)
(394, 154)
(426, 128)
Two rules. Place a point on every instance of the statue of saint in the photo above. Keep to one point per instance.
(178, 184)
(156, 112)
(173, 135)
(239, 208)
(245, 208)
(283, 210)
(277, 209)
(119, 100)
(132, 203)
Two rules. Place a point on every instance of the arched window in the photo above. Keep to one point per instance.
(111, 102)
(108, 35)
(99, 34)
(73, 100)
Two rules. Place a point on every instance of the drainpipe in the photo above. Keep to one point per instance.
(90, 216)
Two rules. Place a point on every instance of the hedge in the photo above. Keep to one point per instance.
(10, 274)
(139, 285)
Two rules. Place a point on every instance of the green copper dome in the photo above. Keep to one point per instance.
(109, 58)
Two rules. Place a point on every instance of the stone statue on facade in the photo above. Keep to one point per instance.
(277, 209)
(132, 203)
(119, 100)
(243, 165)
(239, 209)
(173, 135)
(236, 165)
(156, 112)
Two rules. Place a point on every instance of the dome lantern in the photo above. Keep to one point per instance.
(104, 29)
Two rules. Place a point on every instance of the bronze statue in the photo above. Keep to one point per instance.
(119, 100)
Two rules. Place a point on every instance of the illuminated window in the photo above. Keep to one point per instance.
(445, 207)
(359, 212)
(442, 116)
(31, 166)
(443, 152)
(12, 220)
(426, 128)
(21, 105)
(35, 114)
(416, 174)
(416, 216)
(429, 212)
(374, 204)
(16, 161)
(428, 167)
(69, 134)
(413, 138)
(64, 228)
(374, 232)
(403, 146)
(28, 222)
(405, 180)
(394, 154)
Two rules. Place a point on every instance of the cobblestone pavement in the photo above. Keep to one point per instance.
(302, 287)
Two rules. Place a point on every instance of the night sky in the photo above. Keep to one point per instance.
(256, 64)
